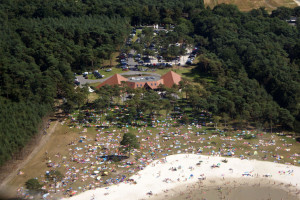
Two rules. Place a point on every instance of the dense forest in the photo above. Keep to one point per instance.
(255, 60)
(253, 57)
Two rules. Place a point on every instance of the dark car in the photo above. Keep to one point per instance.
(189, 62)
(98, 75)
(77, 83)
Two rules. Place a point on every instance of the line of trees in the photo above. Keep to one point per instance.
(138, 11)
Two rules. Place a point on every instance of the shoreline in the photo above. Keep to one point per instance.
(223, 186)
(179, 170)
(297, 2)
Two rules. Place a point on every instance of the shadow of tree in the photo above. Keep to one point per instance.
(115, 157)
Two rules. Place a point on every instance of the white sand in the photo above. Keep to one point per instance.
(297, 2)
(157, 176)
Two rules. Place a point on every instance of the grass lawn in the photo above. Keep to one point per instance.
(92, 96)
(114, 60)
(138, 32)
(183, 71)
(94, 84)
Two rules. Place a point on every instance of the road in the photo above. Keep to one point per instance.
(131, 62)
(83, 81)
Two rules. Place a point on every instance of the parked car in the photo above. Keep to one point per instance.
(122, 56)
(98, 75)
(147, 60)
(76, 82)
(189, 62)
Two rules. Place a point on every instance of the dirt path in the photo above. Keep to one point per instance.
(269, 4)
(42, 142)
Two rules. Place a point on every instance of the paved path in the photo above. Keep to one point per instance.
(131, 62)
(83, 81)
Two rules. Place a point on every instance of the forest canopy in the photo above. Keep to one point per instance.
(252, 57)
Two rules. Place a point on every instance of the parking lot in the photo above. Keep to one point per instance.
(136, 63)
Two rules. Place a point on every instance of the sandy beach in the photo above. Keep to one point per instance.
(297, 2)
(162, 177)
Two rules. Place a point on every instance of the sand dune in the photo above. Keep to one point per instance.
(182, 169)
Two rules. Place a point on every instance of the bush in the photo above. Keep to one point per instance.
(248, 136)
(33, 185)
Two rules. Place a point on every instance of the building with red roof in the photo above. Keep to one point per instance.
(116, 79)
(171, 78)
(152, 82)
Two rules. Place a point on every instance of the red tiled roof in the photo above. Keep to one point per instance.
(113, 80)
(151, 84)
(171, 78)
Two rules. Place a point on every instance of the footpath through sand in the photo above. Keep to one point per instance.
(43, 140)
